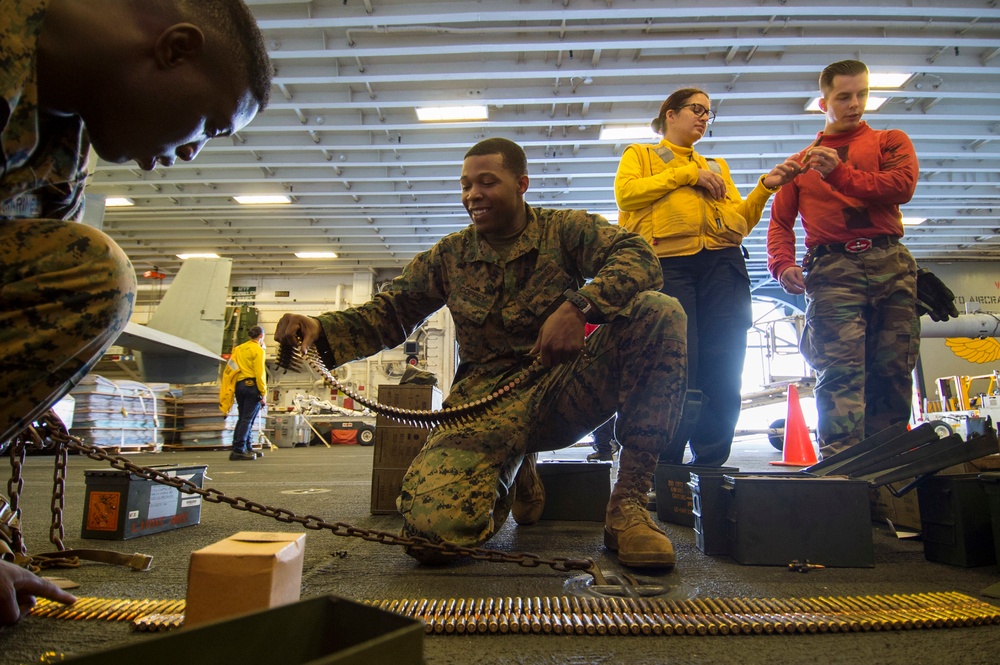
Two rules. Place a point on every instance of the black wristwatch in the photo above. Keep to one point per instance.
(581, 303)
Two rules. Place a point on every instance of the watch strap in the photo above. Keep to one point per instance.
(581, 303)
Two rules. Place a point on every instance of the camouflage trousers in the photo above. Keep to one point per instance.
(862, 337)
(66, 291)
(459, 486)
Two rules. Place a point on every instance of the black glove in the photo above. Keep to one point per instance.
(933, 297)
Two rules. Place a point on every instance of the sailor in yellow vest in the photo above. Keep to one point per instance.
(689, 209)
(244, 381)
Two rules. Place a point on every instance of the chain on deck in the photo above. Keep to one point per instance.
(54, 431)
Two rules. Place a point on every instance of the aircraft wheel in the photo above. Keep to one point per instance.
(777, 440)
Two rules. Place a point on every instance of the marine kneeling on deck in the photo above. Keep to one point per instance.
(521, 283)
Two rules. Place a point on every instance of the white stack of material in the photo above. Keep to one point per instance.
(124, 414)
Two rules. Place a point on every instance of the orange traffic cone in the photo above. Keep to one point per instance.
(798, 447)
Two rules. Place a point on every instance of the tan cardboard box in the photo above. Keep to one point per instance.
(246, 572)
(386, 485)
(397, 445)
(408, 396)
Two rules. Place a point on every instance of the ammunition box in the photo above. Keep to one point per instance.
(955, 519)
(710, 532)
(774, 520)
(119, 505)
(991, 485)
(674, 502)
(324, 630)
(575, 490)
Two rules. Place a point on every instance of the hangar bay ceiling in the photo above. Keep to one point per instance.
(372, 183)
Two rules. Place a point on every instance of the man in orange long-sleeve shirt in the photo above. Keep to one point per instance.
(862, 329)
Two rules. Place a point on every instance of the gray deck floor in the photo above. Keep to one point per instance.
(359, 570)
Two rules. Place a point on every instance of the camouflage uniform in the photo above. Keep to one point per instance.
(457, 488)
(869, 296)
(66, 290)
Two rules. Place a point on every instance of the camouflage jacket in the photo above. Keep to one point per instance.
(43, 158)
(498, 306)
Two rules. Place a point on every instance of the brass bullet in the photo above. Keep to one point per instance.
(691, 627)
(491, 615)
(660, 625)
(481, 616)
(736, 626)
(557, 623)
(610, 624)
(129, 613)
(534, 614)
(578, 626)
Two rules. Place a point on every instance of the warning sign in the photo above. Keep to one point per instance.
(102, 511)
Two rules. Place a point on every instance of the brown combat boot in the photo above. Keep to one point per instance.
(529, 493)
(628, 528)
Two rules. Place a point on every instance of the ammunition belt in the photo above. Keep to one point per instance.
(571, 615)
(290, 358)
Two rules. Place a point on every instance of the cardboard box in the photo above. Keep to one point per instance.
(408, 396)
(397, 445)
(386, 484)
(902, 513)
(575, 490)
(246, 572)
(119, 505)
(324, 630)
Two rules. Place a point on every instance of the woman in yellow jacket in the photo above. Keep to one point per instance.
(690, 211)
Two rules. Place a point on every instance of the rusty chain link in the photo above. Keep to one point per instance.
(14, 486)
(56, 531)
(65, 442)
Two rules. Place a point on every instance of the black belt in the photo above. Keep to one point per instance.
(856, 246)
(249, 382)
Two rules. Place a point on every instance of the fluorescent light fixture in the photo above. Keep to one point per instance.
(264, 199)
(874, 104)
(629, 133)
(118, 202)
(316, 255)
(888, 79)
(913, 221)
(185, 257)
(453, 113)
